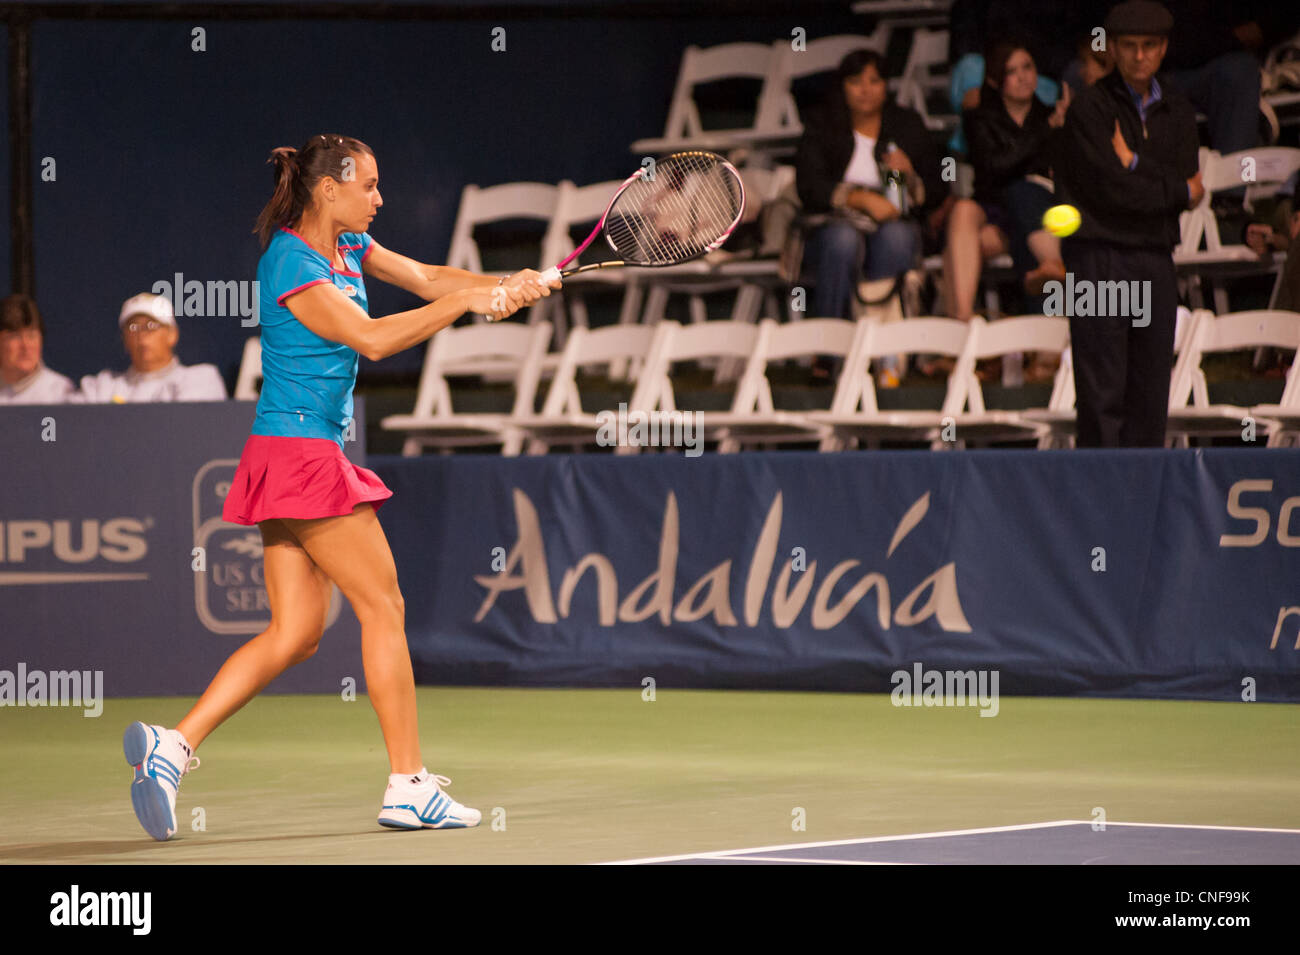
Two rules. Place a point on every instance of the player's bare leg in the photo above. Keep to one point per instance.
(299, 593)
(355, 554)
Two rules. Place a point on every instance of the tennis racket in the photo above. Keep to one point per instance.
(686, 208)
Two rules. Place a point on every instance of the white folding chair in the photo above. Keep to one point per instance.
(753, 281)
(484, 205)
(698, 342)
(498, 347)
(1285, 415)
(699, 65)
(1006, 336)
(1261, 171)
(754, 418)
(250, 370)
(583, 206)
(1190, 413)
(924, 73)
(1058, 418)
(856, 417)
(562, 420)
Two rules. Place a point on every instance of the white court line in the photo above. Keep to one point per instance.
(1179, 825)
(724, 853)
(844, 842)
(743, 858)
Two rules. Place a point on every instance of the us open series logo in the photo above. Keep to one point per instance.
(229, 591)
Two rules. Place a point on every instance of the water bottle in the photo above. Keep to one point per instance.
(896, 185)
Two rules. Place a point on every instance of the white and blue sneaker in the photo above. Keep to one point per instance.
(418, 802)
(160, 758)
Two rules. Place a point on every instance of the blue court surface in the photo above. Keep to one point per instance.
(1066, 842)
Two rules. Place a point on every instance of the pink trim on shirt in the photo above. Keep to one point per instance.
(285, 228)
(367, 252)
(343, 249)
(280, 300)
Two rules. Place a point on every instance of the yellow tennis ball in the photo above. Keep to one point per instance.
(1061, 220)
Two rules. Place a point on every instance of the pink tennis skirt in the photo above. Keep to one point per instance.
(297, 477)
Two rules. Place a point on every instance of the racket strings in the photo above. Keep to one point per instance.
(691, 203)
(699, 203)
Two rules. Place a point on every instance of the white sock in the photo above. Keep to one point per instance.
(184, 742)
(422, 776)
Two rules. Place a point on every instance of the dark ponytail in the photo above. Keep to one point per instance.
(297, 171)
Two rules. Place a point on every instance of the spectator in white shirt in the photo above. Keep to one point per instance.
(24, 379)
(149, 333)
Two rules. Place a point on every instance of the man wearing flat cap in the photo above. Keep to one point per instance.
(149, 334)
(1129, 164)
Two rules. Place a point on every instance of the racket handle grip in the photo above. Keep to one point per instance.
(550, 275)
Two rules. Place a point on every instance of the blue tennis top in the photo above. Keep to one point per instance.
(307, 380)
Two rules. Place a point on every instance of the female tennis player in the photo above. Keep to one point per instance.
(314, 508)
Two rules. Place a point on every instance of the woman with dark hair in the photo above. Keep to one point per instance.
(24, 379)
(1010, 135)
(314, 508)
(848, 152)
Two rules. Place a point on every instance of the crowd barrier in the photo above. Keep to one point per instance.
(1111, 573)
(1123, 573)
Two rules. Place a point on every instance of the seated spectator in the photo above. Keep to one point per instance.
(24, 379)
(847, 152)
(1010, 134)
(1279, 231)
(149, 333)
(965, 84)
(1213, 60)
(976, 24)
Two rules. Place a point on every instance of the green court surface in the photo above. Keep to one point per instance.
(602, 775)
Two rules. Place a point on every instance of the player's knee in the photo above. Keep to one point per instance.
(305, 650)
(397, 606)
(302, 642)
(385, 606)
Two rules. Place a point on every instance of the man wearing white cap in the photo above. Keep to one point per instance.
(149, 333)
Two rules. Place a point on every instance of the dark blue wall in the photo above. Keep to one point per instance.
(6, 250)
(161, 152)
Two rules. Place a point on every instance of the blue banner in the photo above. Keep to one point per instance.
(114, 557)
(1110, 573)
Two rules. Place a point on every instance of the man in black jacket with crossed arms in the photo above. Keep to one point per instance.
(1129, 164)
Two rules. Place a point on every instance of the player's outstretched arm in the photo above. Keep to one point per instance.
(429, 282)
(331, 315)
